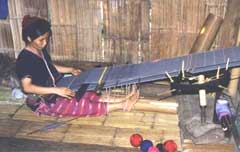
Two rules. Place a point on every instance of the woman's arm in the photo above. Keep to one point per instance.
(63, 69)
(28, 87)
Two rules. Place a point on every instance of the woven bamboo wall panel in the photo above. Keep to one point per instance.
(231, 25)
(62, 47)
(63, 22)
(162, 44)
(126, 29)
(62, 12)
(116, 31)
(6, 43)
(77, 27)
(175, 24)
(17, 10)
(164, 14)
(127, 18)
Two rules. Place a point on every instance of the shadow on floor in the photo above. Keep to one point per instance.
(26, 145)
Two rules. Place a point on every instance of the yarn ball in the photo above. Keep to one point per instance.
(170, 146)
(159, 146)
(153, 149)
(163, 150)
(136, 140)
(145, 145)
(17, 94)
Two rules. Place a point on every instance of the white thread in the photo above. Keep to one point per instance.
(49, 71)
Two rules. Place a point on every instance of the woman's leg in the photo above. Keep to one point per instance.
(117, 99)
(126, 104)
(131, 103)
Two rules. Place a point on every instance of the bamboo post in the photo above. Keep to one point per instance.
(203, 42)
(235, 73)
(207, 33)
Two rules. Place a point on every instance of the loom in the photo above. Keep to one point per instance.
(198, 64)
(121, 75)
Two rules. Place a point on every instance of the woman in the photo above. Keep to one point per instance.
(38, 76)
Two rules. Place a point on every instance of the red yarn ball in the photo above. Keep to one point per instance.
(170, 146)
(136, 140)
(153, 149)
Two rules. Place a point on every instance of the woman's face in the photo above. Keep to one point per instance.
(40, 42)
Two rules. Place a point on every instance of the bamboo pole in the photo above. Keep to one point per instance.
(207, 33)
(235, 74)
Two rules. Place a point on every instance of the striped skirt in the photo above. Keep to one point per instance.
(88, 105)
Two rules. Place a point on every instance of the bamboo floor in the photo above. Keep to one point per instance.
(113, 130)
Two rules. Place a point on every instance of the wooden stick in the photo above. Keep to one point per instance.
(227, 64)
(103, 73)
(170, 78)
(218, 72)
(183, 74)
(52, 126)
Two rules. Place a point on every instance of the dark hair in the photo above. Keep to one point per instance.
(33, 27)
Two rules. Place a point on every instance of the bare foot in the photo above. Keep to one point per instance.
(125, 101)
(133, 91)
(130, 102)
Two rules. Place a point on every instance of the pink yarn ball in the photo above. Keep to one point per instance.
(153, 149)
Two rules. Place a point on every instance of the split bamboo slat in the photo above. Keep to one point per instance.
(9, 127)
(63, 20)
(55, 134)
(175, 25)
(90, 135)
(6, 43)
(133, 119)
(24, 113)
(118, 30)
(4, 115)
(111, 130)
(89, 30)
(126, 24)
(188, 146)
(15, 26)
(6, 109)
(166, 121)
(95, 121)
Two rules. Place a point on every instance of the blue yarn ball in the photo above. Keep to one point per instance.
(163, 150)
(145, 145)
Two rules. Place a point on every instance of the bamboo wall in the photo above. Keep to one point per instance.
(19, 8)
(6, 42)
(176, 23)
(126, 29)
(117, 31)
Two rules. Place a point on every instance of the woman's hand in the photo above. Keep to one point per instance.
(76, 71)
(28, 87)
(63, 69)
(65, 92)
